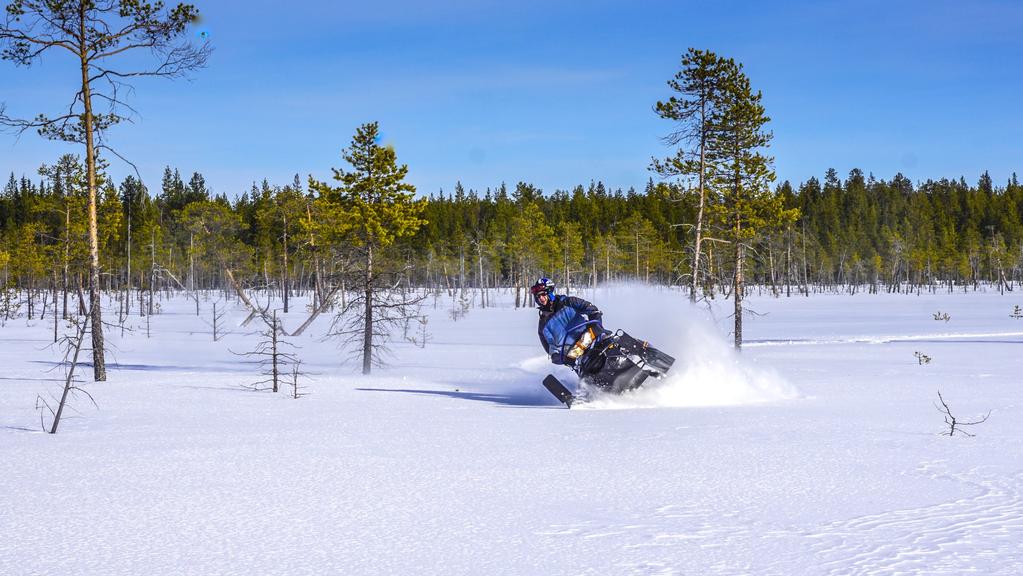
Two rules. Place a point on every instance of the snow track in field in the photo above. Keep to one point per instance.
(976, 533)
(933, 539)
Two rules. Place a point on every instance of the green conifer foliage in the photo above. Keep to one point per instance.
(380, 206)
(748, 204)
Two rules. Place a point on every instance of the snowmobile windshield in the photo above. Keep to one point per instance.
(583, 343)
(565, 329)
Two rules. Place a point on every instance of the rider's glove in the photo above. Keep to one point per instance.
(557, 358)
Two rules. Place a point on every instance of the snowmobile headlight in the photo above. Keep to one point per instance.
(582, 344)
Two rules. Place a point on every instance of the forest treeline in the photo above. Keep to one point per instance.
(856, 233)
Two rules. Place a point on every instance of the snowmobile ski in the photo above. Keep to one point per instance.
(555, 387)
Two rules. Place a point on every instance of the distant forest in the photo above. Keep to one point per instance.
(852, 234)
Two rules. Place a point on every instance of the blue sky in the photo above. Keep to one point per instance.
(560, 93)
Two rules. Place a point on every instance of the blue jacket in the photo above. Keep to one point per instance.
(562, 322)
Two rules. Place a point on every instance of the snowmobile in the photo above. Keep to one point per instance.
(609, 361)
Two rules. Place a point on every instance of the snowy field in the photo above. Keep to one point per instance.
(815, 452)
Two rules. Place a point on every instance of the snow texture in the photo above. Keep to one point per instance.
(816, 450)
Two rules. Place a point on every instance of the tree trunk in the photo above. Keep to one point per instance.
(266, 279)
(515, 280)
(694, 281)
(54, 306)
(191, 271)
(483, 278)
(367, 334)
(127, 288)
(637, 255)
(152, 272)
(324, 303)
(69, 379)
(285, 280)
(770, 264)
(344, 287)
(99, 368)
(806, 270)
(568, 279)
(461, 269)
(67, 253)
(737, 286)
(788, 265)
(318, 287)
(607, 270)
(273, 339)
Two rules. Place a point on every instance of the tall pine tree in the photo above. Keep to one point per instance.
(696, 109)
(382, 209)
(748, 205)
(97, 36)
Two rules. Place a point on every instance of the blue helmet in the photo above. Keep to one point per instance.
(542, 286)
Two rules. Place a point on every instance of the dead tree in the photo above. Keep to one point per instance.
(326, 302)
(217, 322)
(952, 422)
(296, 376)
(192, 293)
(72, 345)
(271, 356)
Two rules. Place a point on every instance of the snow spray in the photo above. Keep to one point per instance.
(707, 370)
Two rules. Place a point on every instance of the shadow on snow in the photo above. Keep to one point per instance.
(524, 399)
(236, 366)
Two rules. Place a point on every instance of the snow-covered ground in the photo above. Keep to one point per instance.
(815, 451)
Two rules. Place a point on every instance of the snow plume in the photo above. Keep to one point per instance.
(707, 370)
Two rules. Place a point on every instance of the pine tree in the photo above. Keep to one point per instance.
(697, 110)
(197, 190)
(381, 207)
(748, 205)
(96, 34)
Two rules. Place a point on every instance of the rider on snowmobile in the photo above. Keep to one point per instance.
(563, 319)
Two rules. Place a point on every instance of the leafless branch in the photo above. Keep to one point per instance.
(951, 421)
(72, 349)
